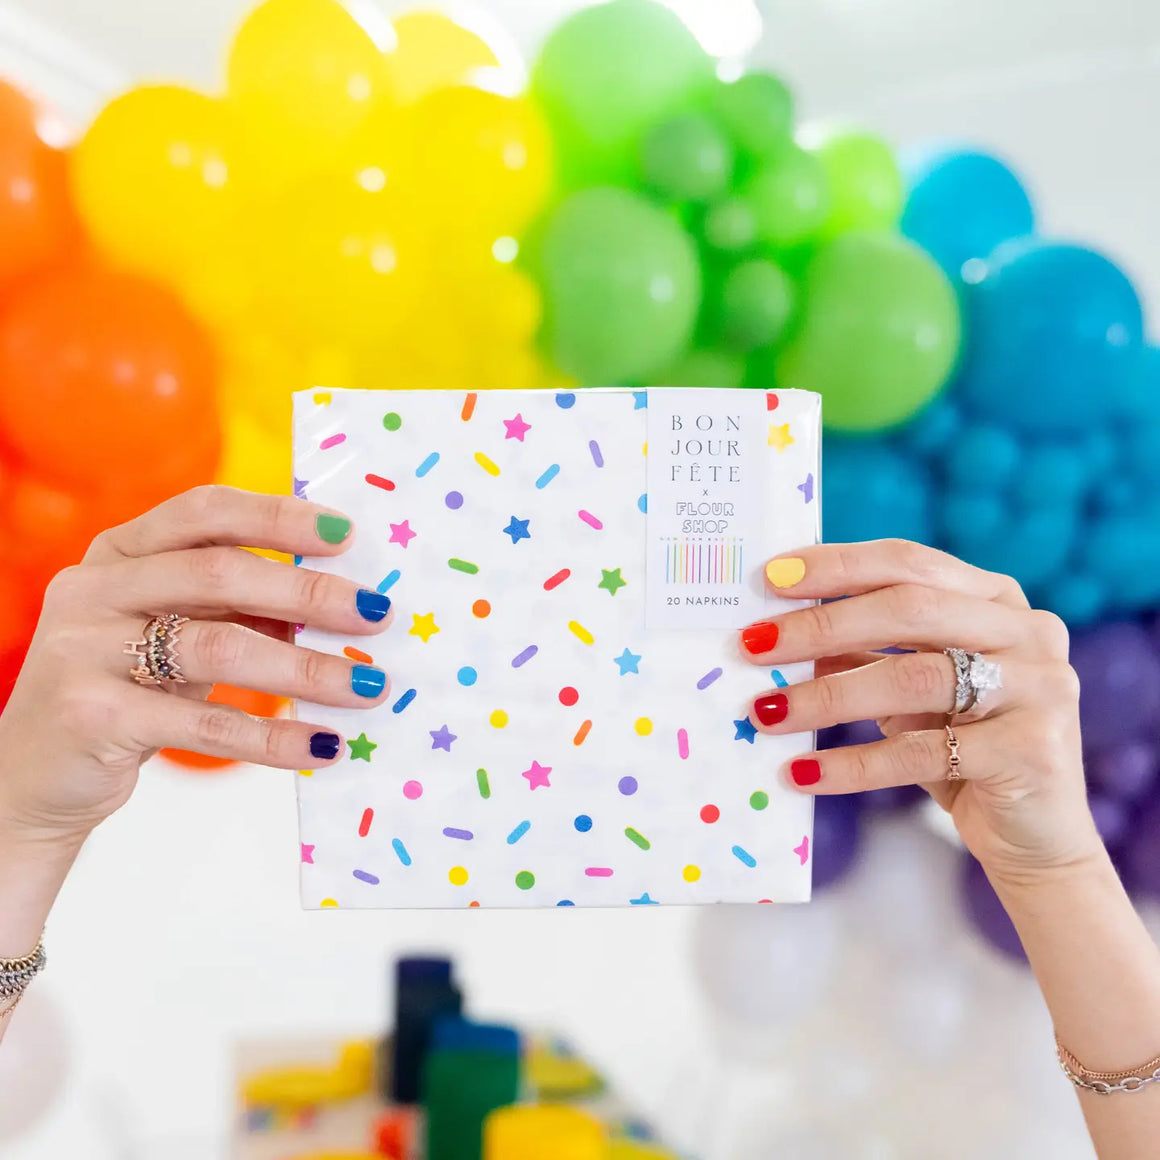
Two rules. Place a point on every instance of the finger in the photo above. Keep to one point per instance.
(827, 570)
(907, 614)
(921, 682)
(223, 515)
(220, 652)
(208, 582)
(161, 722)
(828, 666)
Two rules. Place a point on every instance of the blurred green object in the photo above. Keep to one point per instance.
(757, 302)
(866, 186)
(718, 369)
(622, 286)
(879, 334)
(789, 197)
(608, 74)
(756, 110)
(730, 225)
(687, 158)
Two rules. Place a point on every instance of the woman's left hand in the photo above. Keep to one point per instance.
(1021, 806)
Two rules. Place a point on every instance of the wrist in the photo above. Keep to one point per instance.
(1086, 861)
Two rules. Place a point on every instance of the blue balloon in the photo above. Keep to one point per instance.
(1141, 396)
(1079, 599)
(1032, 547)
(984, 458)
(1054, 329)
(1122, 549)
(1049, 473)
(971, 518)
(932, 429)
(874, 492)
(962, 205)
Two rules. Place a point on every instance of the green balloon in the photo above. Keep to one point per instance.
(687, 158)
(621, 283)
(865, 182)
(756, 304)
(730, 225)
(607, 74)
(756, 110)
(717, 369)
(790, 197)
(879, 335)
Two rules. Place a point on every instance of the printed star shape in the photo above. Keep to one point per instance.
(628, 661)
(803, 851)
(516, 428)
(361, 748)
(807, 488)
(424, 627)
(307, 854)
(746, 731)
(612, 580)
(779, 437)
(402, 534)
(538, 775)
(639, 400)
(644, 900)
(518, 530)
(441, 738)
(300, 486)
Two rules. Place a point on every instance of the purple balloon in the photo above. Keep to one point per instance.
(985, 909)
(896, 799)
(863, 732)
(1141, 854)
(1111, 816)
(1125, 771)
(833, 737)
(837, 838)
(1119, 672)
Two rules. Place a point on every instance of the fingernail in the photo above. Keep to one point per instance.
(785, 572)
(332, 529)
(771, 709)
(367, 681)
(805, 772)
(372, 605)
(324, 745)
(760, 638)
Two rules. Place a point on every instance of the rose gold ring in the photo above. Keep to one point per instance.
(953, 760)
(158, 662)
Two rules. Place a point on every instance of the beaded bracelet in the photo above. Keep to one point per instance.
(1104, 1083)
(16, 974)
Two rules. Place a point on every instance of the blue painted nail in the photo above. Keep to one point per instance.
(372, 605)
(367, 681)
(324, 745)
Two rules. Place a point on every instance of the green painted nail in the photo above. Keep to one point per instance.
(332, 529)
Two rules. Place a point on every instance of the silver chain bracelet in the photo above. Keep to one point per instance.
(16, 974)
(1104, 1083)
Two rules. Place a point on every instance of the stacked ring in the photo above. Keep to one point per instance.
(157, 658)
(975, 677)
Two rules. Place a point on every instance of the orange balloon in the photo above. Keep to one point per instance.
(107, 385)
(249, 701)
(36, 222)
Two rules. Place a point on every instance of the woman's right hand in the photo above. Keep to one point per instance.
(77, 726)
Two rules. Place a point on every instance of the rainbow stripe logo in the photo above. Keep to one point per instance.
(705, 561)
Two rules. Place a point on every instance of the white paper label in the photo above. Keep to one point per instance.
(708, 507)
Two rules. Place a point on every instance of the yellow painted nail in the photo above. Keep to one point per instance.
(786, 571)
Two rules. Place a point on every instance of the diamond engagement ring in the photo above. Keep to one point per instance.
(156, 653)
(975, 677)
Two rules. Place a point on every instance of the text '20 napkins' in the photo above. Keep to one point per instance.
(568, 722)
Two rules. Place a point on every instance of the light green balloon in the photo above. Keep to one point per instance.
(757, 302)
(866, 185)
(880, 331)
(607, 74)
(687, 158)
(730, 225)
(789, 197)
(718, 369)
(622, 286)
(756, 110)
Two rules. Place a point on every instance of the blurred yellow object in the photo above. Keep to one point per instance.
(290, 1088)
(259, 374)
(543, 1132)
(154, 178)
(635, 1150)
(552, 1075)
(252, 458)
(434, 52)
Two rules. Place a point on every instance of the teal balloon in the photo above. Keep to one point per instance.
(621, 284)
(687, 158)
(757, 303)
(609, 73)
(719, 369)
(756, 110)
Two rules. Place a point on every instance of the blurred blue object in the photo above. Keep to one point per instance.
(837, 840)
(874, 492)
(1049, 474)
(985, 457)
(1056, 333)
(1032, 547)
(962, 205)
(933, 428)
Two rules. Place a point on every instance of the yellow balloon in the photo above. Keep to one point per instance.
(259, 374)
(252, 458)
(434, 52)
(154, 179)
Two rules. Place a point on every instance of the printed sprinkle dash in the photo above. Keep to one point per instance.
(401, 851)
(327, 443)
(369, 879)
(711, 676)
(518, 832)
(522, 658)
(597, 454)
(548, 476)
(590, 520)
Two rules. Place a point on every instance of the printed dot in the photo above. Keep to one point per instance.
(498, 718)
(759, 800)
(627, 786)
(392, 421)
(568, 695)
(565, 400)
(481, 609)
(412, 791)
(453, 500)
(328, 904)
(457, 876)
(710, 814)
(642, 503)
(691, 873)
(525, 880)
(583, 823)
(643, 726)
(467, 676)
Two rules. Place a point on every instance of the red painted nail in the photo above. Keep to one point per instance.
(771, 709)
(760, 638)
(805, 772)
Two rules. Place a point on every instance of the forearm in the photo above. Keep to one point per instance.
(1099, 971)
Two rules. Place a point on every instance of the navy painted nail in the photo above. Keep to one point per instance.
(367, 681)
(324, 745)
(372, 605)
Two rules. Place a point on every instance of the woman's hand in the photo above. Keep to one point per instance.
(1021, 807)
(77, 726)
